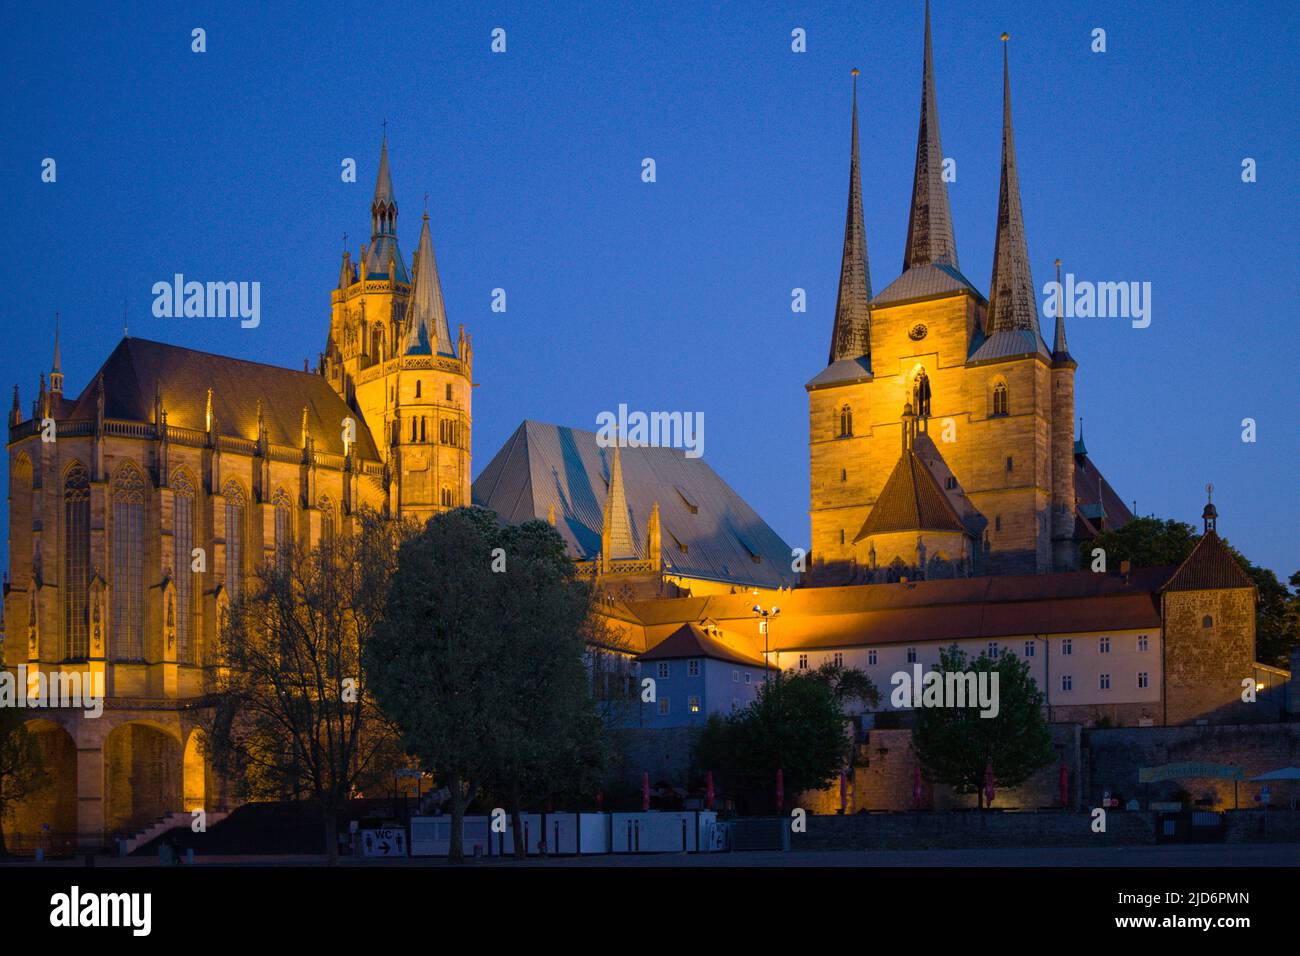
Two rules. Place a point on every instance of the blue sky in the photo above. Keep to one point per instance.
(676, 295)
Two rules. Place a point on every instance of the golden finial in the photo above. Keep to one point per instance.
(855, 72)
(1006, 37)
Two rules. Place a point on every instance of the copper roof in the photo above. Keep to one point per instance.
(138, 367)
(1210, 565)
(690, 640)
(911, 501)
(707, 530)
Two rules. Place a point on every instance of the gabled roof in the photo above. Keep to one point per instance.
(138, 367)
(1209, 566)
(911, 501)
(931, 281)
(689, 641)
(543, 466)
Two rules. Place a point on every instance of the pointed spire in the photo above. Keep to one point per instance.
(345, 271)
(1012, 305)
(427, 331)
(616, 534)
(654, 538)
(851, 337)
(383, 208)
(929, 227)
(1060, 350)
(56, 372)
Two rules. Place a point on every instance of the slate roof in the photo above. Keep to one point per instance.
(183, 376)
(929, 226)
(1210, 565)
(1008, 343)
(911, 501)
(1096, 498)
(842, 372)
(851, 334)
(543, 465)
(427, 324)
(690, 640)
(930, 281)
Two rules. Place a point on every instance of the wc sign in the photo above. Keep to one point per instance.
(386, 841)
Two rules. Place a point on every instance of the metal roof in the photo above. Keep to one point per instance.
(543, 466)
(929, 226)
(842, 372)
(851, 335)
(1008, 343)
(929, 281)
(427, 318)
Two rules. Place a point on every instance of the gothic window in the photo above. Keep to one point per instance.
(235, 503)
(128, 565)
(377, 344)
(283, 525)
(423, 433)
(1000, 398)
(846, 422)
(921, 395)
(182, 547)
(76, 562)
(415, 429)
(446, 498)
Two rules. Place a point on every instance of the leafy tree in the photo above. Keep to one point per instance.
(291, 701)
(548, 740)
(956, 744)
(22, 773)
(1155, 542)
(796, 724)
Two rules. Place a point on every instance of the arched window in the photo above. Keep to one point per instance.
(128, 564)
(283, 525)
(76, 562)
(447, 498)
(1207, 621)
(377, 344)
(846, 422)
(182, 548)
(417, 388)
(449, 393)
(235, 505)
(1000, 398)
(921, 395)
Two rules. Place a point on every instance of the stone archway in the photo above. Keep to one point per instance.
(55, 803)
(196, 784)
(142, 777)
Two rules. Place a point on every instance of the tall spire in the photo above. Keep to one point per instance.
(616, 534)
(382, 258)
(427, 331)
(929, 227)
(851, 337)
(56, 372)
(1012, 305)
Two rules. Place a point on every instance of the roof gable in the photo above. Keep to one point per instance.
(911, 501)
(1210, 566)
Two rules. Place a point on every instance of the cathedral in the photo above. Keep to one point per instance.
(949, 500)
(941, 432)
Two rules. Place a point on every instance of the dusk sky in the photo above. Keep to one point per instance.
(675, 295)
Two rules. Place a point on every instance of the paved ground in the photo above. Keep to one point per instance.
(1250, 854)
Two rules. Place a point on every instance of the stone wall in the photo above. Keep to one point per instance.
(1112, 759)
(1205, 665)
(924, 830)
(886, 778)
(664, 753)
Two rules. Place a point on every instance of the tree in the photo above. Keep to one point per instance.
(957, 744)
(434, 662)
(21, 771)
(1156, 542)
(292, 705)
(795, 724)
(550, 739)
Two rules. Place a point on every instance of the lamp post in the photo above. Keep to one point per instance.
(765, 616)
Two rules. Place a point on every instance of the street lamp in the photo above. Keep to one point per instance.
(764, 617)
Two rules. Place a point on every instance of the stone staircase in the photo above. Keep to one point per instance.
(177, 818)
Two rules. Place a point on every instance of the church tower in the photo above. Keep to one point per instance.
(991, 407)
(391, 356)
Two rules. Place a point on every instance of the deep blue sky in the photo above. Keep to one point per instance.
(225, 166)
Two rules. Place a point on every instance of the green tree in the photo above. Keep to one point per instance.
(1144, 542)
(22, 773)
(549, 740)
(956, 744)
(291, 705)
(796, 724)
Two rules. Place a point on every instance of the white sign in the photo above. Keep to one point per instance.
(389, 841)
